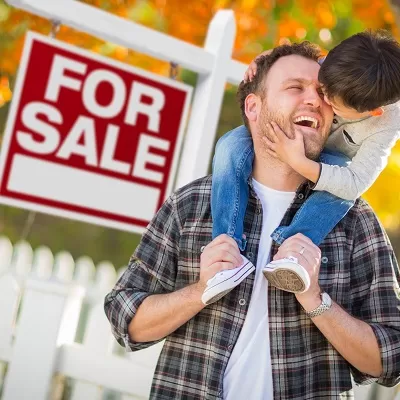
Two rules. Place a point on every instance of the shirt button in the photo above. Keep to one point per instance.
(334, 121)
(242, 302)
(202, 248)
(258, 211)
(301, 196)
(250, 255)
(324, 260)
(230, 347)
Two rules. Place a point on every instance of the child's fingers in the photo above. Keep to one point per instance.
(298, 137)
(278, 131)
(274, 137)
(246, 77)
(253, 69)
(269, 144)
(271, 152)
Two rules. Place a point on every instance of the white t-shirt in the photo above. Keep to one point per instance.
(248, 374)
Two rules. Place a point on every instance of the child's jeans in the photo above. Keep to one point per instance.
(232, 168)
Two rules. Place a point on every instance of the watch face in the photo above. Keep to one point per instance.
(326, 299)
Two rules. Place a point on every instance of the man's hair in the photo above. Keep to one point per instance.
(363, 71)
(264, 63)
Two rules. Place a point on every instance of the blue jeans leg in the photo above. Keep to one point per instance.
(321, 212)
(232, 166)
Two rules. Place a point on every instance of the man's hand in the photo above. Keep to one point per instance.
(309, 256)
(161, 314)
(220, 254)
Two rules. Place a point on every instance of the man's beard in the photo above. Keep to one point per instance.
(313, 144)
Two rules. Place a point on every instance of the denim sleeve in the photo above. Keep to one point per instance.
(151, 270)
(376, 300)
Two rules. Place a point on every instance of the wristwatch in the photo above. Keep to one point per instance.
(324, 306)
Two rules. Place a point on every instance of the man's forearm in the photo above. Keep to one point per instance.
(161, 314)
(352, 338)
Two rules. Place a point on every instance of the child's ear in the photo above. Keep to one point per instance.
(377, 112)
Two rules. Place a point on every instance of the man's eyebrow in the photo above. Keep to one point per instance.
(295, 80)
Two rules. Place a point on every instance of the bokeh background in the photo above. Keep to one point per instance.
(261, 24)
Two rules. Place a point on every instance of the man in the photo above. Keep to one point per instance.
(258, 341)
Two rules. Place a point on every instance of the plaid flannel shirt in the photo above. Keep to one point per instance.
(358, 270)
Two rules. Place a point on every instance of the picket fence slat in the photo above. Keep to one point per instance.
(21, 263)
(97, 339)
(77, 362)
(35, 345)
(9, 300)
(6, 251)
(84, 271)
(42, 264)
(64, 266)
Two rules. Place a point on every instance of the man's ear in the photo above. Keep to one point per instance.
(252, 106)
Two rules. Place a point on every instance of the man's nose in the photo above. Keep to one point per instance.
(312, 97)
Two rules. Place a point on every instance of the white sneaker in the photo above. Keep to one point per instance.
(223, 282)
(287, 274)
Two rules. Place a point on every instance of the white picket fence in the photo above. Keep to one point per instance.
(53, 327)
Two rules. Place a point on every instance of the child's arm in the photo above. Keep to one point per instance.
(345, 182)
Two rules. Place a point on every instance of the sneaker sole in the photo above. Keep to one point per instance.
(285, 279)
(219, 290)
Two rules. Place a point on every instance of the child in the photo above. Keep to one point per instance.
(360, 79)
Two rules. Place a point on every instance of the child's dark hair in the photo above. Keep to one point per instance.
(363, 71)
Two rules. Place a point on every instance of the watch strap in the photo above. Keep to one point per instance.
(324, 306)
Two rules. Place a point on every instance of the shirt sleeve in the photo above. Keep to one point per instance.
(375, 296)
(352, 181)
(151, 270)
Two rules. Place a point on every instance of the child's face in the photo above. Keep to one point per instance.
(343, 111)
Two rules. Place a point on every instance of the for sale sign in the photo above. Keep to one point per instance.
(90, 138)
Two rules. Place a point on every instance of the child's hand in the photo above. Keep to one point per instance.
(252, 68)
(289, 151)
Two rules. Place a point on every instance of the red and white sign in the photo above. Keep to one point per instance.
(89, 138)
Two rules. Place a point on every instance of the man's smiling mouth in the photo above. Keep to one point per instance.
(305, 120)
